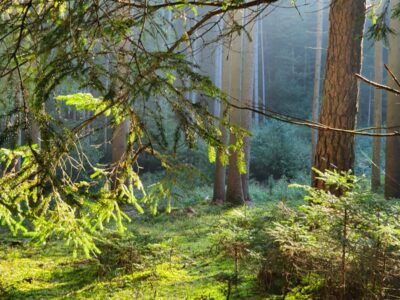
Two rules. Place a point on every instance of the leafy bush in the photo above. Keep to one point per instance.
(348, 244)
(279, 150)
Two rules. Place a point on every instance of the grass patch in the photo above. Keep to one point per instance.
(170, 256)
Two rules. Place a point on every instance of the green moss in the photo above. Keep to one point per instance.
(169, 256)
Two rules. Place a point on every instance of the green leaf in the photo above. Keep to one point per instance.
(211, 154)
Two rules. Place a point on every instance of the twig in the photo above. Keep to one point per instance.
(378, 85)
(306, 123)
(392, 75)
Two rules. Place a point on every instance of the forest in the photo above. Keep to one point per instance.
(200, 149)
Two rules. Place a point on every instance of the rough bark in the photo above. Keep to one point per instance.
(317, 73)
(376, 143)
(335, 150)
(392, 172)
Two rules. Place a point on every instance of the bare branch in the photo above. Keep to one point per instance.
(392, 75)
(302, 122)
(378, 85)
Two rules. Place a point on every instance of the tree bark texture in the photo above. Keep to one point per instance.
(335, 150)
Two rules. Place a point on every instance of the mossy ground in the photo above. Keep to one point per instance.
(169, 256)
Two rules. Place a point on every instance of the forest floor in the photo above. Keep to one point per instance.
(169, 256)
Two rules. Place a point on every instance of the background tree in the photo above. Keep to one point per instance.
(377, 108)
(317, 73)
(392, 169)
(262, 38)
(121, 130)
(247, 95)
(234, 190)
(220, 169)
(256, 97)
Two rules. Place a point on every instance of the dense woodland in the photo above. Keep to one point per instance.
(204, 149)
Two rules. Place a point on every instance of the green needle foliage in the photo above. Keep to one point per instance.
(110, 61)
(380, 15)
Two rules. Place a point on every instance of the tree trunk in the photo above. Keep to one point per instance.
(256, 101)
(376, 144)
(223, 83)
(195, 58)
(335, 150)
(246, 97)
(20, 105)
(35, 133)
(234, 192)
(220, 174)
(119, 140)
(392, 172)
(317, 74)
(120, 132)
(263, 76)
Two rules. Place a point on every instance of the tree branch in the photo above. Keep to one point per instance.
(302, 122)
(378, 85)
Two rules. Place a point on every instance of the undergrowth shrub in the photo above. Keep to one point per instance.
(274, 190)
(119, 256)
(233, 238)
(340, 247)
(279, 150)
(3, 289)
(236, 240)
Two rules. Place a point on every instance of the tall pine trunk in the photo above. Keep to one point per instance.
(376, 143)
(263, 76)
(256, 100)
(335, 150)
(317, 73)
(392, 172)
(222, 82)
(242, 72)
(234, 190)
(246, 97)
